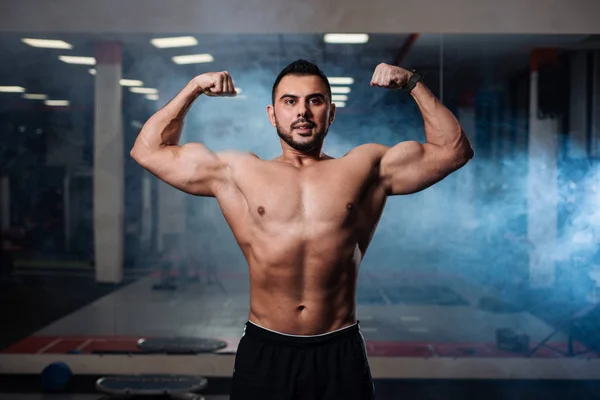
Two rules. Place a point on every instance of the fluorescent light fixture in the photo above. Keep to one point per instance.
(350, 38)
(181, 41)
(152, 96)
(12, 89)
(340, 89)
(339, 97)
(131, 82)
(47, 44)
(340, 80)
(57, 103)
(78, 60)
(92, 71)
(31, 96)
(339, 104)
(143, 90)
(193, 59)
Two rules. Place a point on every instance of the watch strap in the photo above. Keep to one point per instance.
(412, 82)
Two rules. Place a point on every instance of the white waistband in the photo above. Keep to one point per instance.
(306, 336)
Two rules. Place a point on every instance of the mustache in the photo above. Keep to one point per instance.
(303, 121)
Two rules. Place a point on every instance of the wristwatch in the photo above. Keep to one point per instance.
(412, 82)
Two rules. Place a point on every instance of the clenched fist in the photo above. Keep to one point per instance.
(216, 84)
(390, 76)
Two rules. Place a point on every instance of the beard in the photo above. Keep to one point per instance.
(305, 146)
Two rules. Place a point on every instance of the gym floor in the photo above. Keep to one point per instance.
(438, 309)
(401, 315)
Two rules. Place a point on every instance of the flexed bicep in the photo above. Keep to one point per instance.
(410, 166)
(191, 168)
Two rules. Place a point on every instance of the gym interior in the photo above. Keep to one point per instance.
(486, 284)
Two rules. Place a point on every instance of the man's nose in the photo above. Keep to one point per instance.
(303, 110)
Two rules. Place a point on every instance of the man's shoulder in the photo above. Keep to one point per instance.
(237, 155)
(369, 150)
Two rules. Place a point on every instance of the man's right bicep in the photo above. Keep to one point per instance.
(192, 168)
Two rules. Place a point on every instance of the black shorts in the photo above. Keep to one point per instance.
(272, 365)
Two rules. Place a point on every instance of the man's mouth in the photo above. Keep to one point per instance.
(304, 128)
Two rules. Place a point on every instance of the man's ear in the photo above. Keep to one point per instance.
(332, 113)
(271, 114)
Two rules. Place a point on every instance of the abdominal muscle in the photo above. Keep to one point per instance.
(303, 287)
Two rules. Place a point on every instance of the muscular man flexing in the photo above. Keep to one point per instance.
(303, 221)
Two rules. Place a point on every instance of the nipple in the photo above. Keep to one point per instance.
(349, 206)
(261, 210)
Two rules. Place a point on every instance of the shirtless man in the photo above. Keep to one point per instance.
(304, 221)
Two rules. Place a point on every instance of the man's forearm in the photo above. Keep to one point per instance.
(164, 127)
(441, 126)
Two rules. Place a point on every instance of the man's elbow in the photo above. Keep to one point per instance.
(463, 151)
(134, 153)
(461, 156)
(467, 153)
(137, 154)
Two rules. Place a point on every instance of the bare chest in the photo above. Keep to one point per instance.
(314, 199)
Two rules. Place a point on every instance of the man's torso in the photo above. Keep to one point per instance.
(303, 232)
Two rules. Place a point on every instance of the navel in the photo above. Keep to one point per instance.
(300, 308)
(261, 210)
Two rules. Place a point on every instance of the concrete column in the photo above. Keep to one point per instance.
(146, 223)
(542, 188)
(108, 164)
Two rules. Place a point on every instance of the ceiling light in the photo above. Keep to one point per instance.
(339, 97)
(31, 96)
(339, 104)
(340, 89)
(92, 71)
(78, 60)
(12, 89)
(341, 80)
(57, 103)
(47, 44)
(152, 96)
(131, 82)
(182, 41)
(352, 38)
(143, 90)
(193, 59)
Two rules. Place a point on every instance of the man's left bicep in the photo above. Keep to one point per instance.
(410, 167)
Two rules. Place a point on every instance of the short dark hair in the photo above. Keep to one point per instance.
(301, 68)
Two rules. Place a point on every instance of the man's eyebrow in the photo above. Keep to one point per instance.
(310, 96)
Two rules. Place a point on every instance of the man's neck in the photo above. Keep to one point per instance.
(301, 159)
